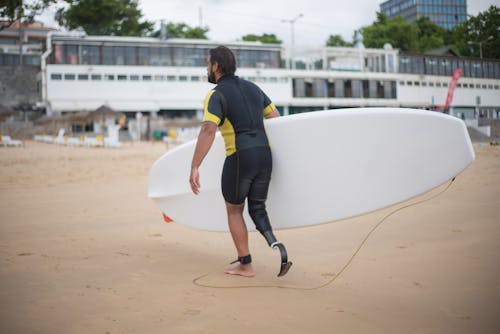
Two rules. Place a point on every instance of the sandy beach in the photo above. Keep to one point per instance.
(83, 250)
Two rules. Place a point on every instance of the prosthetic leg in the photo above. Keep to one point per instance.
(257, 210)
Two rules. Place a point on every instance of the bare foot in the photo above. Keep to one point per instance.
(244, 270)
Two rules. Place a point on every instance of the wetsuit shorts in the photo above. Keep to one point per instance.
(247, 173)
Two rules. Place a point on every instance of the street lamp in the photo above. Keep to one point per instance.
(292, 22)
(481, 45)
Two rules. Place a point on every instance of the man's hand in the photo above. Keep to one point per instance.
(194, 180)
(205, 140)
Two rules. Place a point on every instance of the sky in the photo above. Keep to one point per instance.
(230, 20)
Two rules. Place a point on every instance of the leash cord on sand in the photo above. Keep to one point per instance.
(346, 265)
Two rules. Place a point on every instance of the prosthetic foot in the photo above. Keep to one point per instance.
(273, 243)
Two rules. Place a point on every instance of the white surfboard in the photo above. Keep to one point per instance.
(327, 165)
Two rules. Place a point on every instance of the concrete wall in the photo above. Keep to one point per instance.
(18, 85)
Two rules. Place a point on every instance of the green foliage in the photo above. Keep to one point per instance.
(182, 30)
(422, 35)
(105, 17)
(13, 10)
(482, 29)
(9, 9)
(398, 32)
(264, 38)
(430, 35)
(337, 40)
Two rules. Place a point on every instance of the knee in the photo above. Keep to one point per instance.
(234, 209)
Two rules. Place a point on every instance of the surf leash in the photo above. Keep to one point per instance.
(196, 280)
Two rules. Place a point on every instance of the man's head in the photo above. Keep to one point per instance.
(220, 62)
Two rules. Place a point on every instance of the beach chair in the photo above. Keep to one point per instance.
(113, 138)
(55, 139)
(75, 141)
(94, 141)
(8, 141)
(170, 138)
(60, 137)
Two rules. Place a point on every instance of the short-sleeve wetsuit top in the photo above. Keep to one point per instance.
(237, 106)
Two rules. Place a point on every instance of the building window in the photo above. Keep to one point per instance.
(380, 89)
(348, 88)
(90, 55)
(189, 57)
(68, 76)
(299, 87)
(331, 88)
(95, 77)
(83, 77)
(56, 76)
(366, 88)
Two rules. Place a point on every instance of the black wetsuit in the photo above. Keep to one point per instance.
(238, 107)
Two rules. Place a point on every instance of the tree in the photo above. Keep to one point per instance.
(182, 30)
(337, 40)
(14, 10)
(430, 35)
(19, 10)
(480, 34)
(264, 38)
(398, 32)
(105, 17)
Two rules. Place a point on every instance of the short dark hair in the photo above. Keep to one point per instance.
(225, 58)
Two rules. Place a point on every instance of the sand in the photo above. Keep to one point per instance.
(83, 250)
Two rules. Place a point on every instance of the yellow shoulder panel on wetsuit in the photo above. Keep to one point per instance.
(207, 115)
(269, 109)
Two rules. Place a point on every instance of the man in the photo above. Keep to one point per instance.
(237, 107)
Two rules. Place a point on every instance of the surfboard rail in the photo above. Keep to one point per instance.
(327, 165)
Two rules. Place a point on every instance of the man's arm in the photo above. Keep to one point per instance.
(205, 140)
(273, 114)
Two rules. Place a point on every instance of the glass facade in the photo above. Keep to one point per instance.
(344, 88)
(13, 59)
(435, 65)
(445, 13)
(143, 55)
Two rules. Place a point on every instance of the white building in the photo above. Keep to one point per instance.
(132, 74)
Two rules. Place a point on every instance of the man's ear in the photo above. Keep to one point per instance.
(215, 66)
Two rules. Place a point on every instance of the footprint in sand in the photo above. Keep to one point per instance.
(192, 312)
(25, 254)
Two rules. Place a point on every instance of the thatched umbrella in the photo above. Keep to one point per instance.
(52, 121)
(103, 112)
(81, 118)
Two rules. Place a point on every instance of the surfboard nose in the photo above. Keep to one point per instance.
(166, 218)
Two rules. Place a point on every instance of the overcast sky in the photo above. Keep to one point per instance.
(229, 20)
